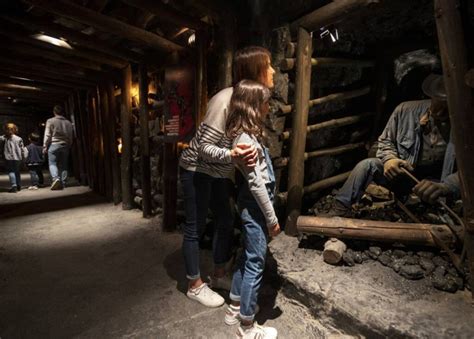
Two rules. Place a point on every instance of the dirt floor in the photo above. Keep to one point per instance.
(73, 265)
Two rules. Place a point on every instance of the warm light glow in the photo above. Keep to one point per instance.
(119, 147)
(134, 93)
(53, 41)
(20, 78)
(192, 39)
(43, 124)
(23, 87)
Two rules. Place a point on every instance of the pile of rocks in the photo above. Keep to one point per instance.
(411, 263)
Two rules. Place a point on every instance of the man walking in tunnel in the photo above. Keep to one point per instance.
(416, 138)
(58, 138)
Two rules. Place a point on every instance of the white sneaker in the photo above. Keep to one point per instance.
(33, 188)
(232, 314)
(257, 332)
(223, 283)
(205, 296)
(56, 185)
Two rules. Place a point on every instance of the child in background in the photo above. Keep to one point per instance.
(14, 152)
(248, 108)
(35, 161)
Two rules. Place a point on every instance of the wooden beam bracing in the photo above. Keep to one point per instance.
(289, 63)
(106, 23)
(126, 121)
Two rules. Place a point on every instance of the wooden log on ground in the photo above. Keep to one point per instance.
(329, 14)
(286, 109)
(116, 185)
(282, 162)
(116, 55)
(288, 64)
(106, 23)
(125, 122)
(144, 140)
(299, 123)
(333, 251)
(374, 230)
(461, 106)
(330, 124)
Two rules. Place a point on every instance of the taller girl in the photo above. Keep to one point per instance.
(206, 170)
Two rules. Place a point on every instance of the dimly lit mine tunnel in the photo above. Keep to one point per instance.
(236, 169)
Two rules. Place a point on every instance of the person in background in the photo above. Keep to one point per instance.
(14, 152)
(206, 172)
(249, 106)
(35, 161)
(58, 138)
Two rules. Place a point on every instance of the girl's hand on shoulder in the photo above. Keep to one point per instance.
(244, 154)
(274, 230)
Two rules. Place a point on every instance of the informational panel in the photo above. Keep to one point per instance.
(179, 104)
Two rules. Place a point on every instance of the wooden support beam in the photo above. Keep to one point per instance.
(289, 63)
(115, 54)
(461, 108)
(286, 109)
(226, 35)
(106, 125)
(330, 13)
(31, 95)
(200, 78)
(469, 78)
(330, 124)
(374, 230)
(37, 84)
(39, 78)
(99, 136)
(116, 191)
(170, 184)
(76, 54)
(144, 140)
(167, 14)
(106, 23)
(318, 185)
(282, 162)
(81, 138)
(299, 123)
(126, 122)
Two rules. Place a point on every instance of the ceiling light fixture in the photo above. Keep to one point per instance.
(53, 41)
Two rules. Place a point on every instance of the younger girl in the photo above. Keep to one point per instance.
(248, 108)
(14, 152)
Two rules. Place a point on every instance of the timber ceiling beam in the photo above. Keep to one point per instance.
(50, 67)
(35, 52)
(167, 13)
(38, 96)
(330, 13)
(21, 82)
(44, 76)
(40, 78)
(94, 58)
(105, 23)
(75, 37)
(8, 86)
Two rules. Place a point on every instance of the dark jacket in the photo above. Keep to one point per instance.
(35, 155)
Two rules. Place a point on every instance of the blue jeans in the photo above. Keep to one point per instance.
(58, 155)
(367, 171)
(13, 170)
(36, 174)
(248, 276)
(201, 192)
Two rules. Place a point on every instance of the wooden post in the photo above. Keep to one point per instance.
(126, 120)
(105, 122)
(300, 122)
(116, 189)
(461, 108)
(100, 143)
(82, 138)
(144, 140)
(170, 184)
(200, 79)
(224, 70)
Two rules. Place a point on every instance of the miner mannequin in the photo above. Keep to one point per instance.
(416, 138)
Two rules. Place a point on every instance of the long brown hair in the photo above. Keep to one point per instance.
(245, 107)
(251, 63)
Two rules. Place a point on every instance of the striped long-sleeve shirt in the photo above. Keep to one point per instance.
(209, 150)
